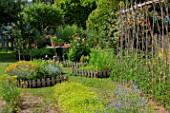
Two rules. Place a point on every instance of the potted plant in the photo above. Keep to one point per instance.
(53, 40)
(60, 42)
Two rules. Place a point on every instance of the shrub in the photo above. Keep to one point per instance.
(67, 32)
(21, 69)
(76, 98)
(46, 69)
(79, 47)
(10, 93)
(100, 59)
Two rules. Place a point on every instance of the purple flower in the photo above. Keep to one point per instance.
(138, 99)
(143, 101)
(126, 99)
(116, 93)
(118, 87)
(119, 106)
(114, 82)
(144, 108)
(131, 104)
(135, 87)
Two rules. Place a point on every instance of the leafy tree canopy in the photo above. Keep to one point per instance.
(76, 11)
(9, 10)
(40, 17)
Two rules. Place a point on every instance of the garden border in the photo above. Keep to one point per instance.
(91, 73)
(41, 82)
(73, 64)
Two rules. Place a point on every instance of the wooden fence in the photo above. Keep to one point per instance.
(6, 42)
(73, 64)
(41, 82)
(92, 74)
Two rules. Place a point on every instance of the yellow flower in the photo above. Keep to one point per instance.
(14, 77)
(3, 76)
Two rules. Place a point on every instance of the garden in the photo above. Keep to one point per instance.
(84, 56)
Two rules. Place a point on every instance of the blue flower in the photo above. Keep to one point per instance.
(119, 106)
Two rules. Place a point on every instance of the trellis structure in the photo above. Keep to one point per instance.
(144, 28)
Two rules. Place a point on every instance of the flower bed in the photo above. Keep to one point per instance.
(41, 82)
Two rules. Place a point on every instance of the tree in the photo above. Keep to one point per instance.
(9, 10)
(40, 17)
(76, 11)
(103, 21)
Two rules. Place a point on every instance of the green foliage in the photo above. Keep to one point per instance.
(10, 14)
(100, 60)
(10, 93)
(46, 69)
(79, 47)
(40, 17)
(76, 11)
(138, 69)
(67, 32)
(75, 98)
(53, 70)
(84, 59)
(103, 22)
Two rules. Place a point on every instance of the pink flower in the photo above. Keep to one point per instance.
(33, 45)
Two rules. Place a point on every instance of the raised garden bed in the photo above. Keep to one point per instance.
(92, 74)
(41, 82)
(73, 64)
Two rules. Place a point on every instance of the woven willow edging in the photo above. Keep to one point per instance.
(41, 82)
(92, 74)
(73, 64)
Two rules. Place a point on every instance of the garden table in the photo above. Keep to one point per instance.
(59, 51)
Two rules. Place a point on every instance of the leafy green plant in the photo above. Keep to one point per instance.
(53, 70)
(84, 59)
(79, 47)
(10, 93)
(47, 69)
(100, 60)
(65, 33)
(75, 98)
(140, 70)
